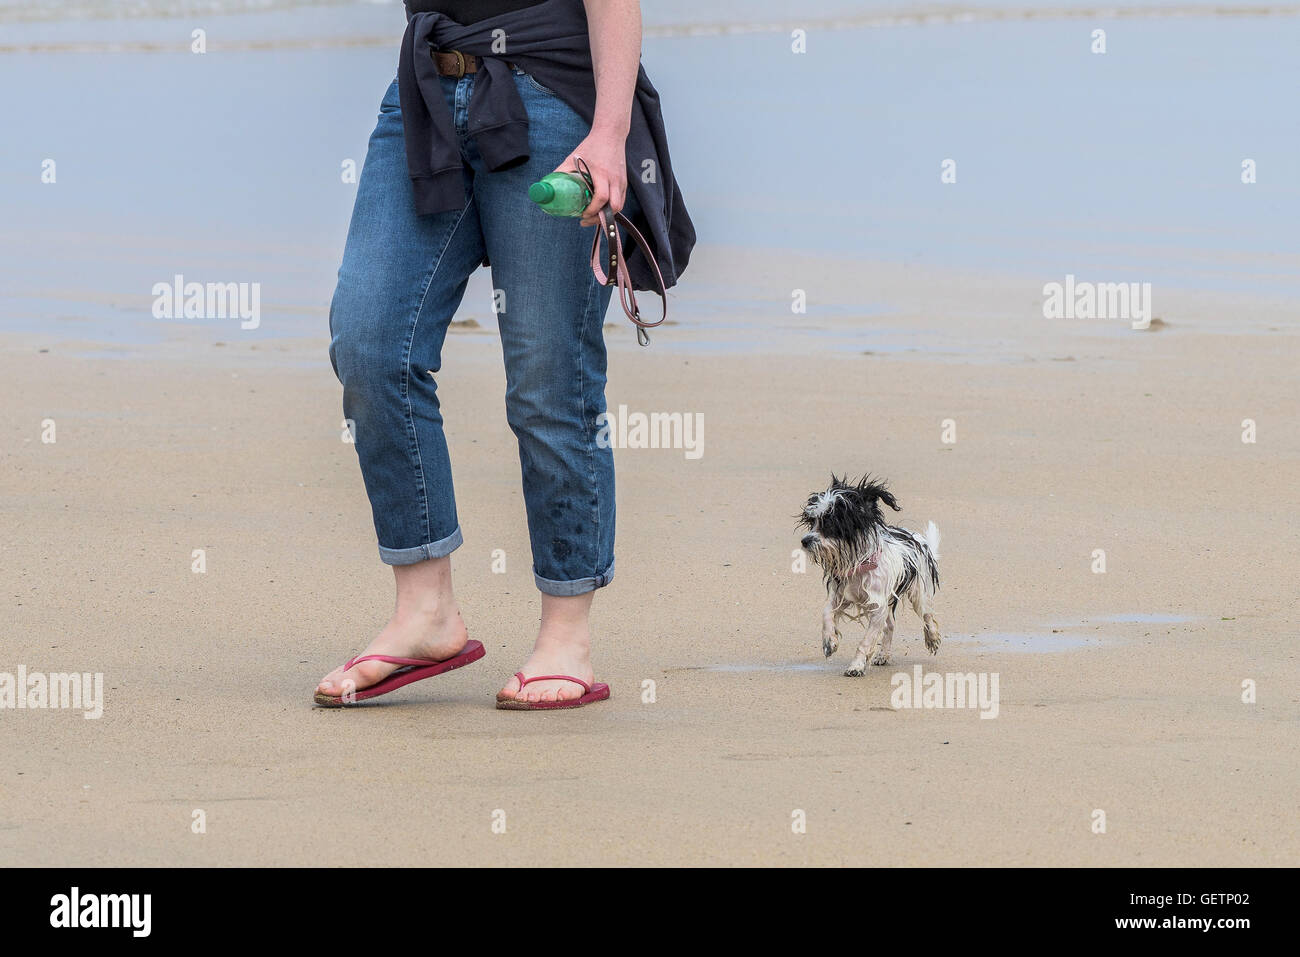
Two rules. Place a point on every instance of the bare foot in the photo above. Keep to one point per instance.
(435, 635)
(554, 655)
(563, 647)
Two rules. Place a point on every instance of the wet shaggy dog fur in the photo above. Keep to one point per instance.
(869, 566)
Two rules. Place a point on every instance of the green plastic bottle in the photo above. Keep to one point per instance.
(560, 194)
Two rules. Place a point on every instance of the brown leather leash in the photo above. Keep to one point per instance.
(616, 273)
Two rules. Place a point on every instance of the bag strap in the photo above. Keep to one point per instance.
(616, 273)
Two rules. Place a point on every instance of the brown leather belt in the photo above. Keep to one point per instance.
(454, 63)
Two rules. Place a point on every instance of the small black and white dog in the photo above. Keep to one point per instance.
(869, 566)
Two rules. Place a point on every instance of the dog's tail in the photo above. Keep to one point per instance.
(932, 539)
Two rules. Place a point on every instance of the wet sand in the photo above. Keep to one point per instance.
(1122, 691)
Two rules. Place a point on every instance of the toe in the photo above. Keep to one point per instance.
(329, 684)
(357, 678)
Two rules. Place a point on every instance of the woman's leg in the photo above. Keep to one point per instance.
(401, 281)
(551, 313)
(426, 623)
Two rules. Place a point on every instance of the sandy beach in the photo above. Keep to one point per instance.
(1119, 691)
(1161, 691)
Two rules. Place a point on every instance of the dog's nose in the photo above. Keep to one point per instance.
(808, 541)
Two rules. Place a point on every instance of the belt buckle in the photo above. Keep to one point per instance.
(460, 63)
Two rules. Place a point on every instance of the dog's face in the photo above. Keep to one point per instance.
(841, 521)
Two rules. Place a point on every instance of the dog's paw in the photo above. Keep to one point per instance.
(853, 672)
(830, 644)
(932, 636)
(880, 658)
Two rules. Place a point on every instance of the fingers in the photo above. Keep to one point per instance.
(607, 193)
(617, 194)
(608, 190)
(599, 197)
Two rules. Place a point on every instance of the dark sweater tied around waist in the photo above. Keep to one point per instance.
(550, 41)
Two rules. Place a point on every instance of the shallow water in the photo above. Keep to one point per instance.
(1013, 642)
(1063, 636)
(1029, 642)
(1122, 167)
(774, 668)
(1154, 618)
(1009, 642)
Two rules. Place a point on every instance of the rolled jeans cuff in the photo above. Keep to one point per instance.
(579, 586)
(409, 556)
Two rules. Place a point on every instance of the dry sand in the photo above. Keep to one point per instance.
(1070, 437)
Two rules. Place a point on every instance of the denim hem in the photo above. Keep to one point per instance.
(420, 553)
(579, 586)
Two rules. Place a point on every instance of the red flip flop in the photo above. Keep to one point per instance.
(593, 692)
(413, 669)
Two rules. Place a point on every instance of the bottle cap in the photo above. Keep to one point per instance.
(541, 193)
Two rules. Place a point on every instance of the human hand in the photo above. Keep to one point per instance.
(605, 156)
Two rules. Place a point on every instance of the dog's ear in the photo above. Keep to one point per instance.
(873, 490)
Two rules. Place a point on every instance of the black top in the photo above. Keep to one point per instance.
(466, 12)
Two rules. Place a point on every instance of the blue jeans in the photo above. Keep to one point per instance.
(400, 283)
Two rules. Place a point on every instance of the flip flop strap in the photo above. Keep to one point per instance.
(586, 688)
(393, 660)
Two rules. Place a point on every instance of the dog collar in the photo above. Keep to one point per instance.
(868, 564)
